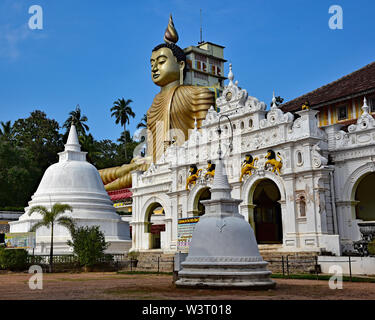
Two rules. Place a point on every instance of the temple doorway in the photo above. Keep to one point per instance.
(267, 213)
(199, 208)
(364, 194)
(154, 224)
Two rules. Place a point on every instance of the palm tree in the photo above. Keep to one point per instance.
(78, 120)
(124, 137)
(89, 145)
(6, 130)
(122, 111)
(143, 123)
(50, 218)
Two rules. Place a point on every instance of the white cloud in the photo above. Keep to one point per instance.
(10, 39)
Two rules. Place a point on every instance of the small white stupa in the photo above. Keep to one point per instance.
(76, 182)
(223, 252)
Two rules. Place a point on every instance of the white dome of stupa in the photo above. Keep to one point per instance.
(76, 182)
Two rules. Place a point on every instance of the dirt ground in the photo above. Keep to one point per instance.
(112, 286)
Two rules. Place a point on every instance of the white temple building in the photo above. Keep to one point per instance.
(310, 206)
(75, 182)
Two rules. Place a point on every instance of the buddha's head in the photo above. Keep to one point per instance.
(168, 61)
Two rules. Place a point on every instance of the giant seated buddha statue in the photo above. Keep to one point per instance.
(172, 113)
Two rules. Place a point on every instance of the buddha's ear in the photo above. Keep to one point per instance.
(182, 67)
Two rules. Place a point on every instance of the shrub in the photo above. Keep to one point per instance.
(13, 259)
(371, 248)
(88, 245)
(133, 255)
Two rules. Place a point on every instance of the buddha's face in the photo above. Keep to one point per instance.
(164, 67)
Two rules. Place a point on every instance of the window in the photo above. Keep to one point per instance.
(342, 113)
(302, 207)
(204, 67)
(299, 158)
(250, 123)
(213, 69)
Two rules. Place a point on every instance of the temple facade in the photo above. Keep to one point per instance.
(304, 182)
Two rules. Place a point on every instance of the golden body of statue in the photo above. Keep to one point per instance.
(173, 111)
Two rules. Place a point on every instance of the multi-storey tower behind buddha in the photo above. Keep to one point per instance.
(206, 66)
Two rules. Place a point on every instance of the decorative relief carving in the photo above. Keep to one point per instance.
(317, 159)
(358, 133)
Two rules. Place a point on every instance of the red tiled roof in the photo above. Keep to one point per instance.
(120, 194)
(356, 82)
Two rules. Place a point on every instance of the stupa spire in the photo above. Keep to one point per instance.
(220, 187)
(72, 144)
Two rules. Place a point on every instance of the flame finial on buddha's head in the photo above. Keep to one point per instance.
(170, 35)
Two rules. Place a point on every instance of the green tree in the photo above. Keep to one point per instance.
(88, 245)
(106, 155)
(18, 175)
(143, 123)
(89, 145)
(76, 118)
(122, 112)
(50, 219)
(41, 137)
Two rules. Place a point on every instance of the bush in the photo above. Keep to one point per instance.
(13, 259)
(133, 255)
(371, 248)
(89, 245)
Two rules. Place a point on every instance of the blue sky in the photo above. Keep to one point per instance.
(92, 52)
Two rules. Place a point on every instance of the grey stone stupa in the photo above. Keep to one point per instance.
(223, 252)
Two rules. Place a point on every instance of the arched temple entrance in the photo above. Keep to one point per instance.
(203, 194)
(364, 194)
(267, 213)
(153, 224)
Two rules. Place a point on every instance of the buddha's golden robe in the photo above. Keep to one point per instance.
(176, 108)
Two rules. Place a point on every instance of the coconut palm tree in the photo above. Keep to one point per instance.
(76, 118)
(89, 145)
(50, 219)
(143, 123)
(6, 130)
(122, 111)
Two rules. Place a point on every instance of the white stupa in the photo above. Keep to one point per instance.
(223, 252)
(76, 182)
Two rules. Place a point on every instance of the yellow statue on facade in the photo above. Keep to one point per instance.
(194, 175)
(210, 171)
(248, 165)
(172, 112)
(276, 165)
(306, 106)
